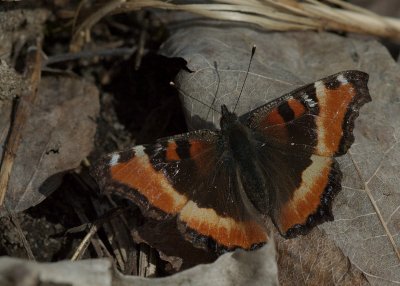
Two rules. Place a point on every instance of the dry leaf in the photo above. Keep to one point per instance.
(58, 135)
(314, 259)
(367, 211)
(14, 271)
(237, 268)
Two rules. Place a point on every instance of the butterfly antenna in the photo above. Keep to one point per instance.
(253, 50)
(216, 92)
(171, 83)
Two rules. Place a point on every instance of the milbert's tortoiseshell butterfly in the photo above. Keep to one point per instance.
(277, 160)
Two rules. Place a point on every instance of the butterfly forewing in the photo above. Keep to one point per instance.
(317, 118)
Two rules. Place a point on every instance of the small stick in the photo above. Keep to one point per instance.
(89, 54)
(100, 221)
(142, 41)
(84, 243)
(21, 235)
(83, 218)
(22, 112)
(147, 265)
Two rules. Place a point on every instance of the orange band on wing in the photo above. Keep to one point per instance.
(273, 118)
(139, 174)
(297, 107)
(333, 105)
(171, 154)
(307, 198)
(273, 125)
(225, 231)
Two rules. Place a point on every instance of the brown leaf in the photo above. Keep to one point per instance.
(57, 136)
(367, 211)
(315, 260)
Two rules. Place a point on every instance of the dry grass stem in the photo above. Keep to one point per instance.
(21, 235)
(277, 15)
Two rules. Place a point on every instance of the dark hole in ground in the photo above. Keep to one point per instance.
(145, 103)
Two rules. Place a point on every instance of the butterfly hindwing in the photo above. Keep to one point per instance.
(186, 177)
(301, 188)
(298, 136)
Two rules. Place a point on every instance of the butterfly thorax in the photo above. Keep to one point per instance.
(236, 136)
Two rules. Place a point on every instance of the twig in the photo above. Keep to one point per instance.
(147, 261)
(112, 236)
(84, 243)
(89, 54)
(83, 218)
(142, 41)
(102, 12)
(21, 235)
(131, 266)
(93, 227)
(100, 221)
(26, 102)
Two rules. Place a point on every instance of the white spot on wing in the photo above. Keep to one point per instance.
(114, 159)
(342, 79)
(310, 103)
(139, 151)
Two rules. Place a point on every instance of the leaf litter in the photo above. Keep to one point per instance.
(288, 61)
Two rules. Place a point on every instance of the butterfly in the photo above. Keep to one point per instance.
(277, 162)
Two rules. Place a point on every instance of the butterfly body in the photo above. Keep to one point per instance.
(235, 138)
(276, 161)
